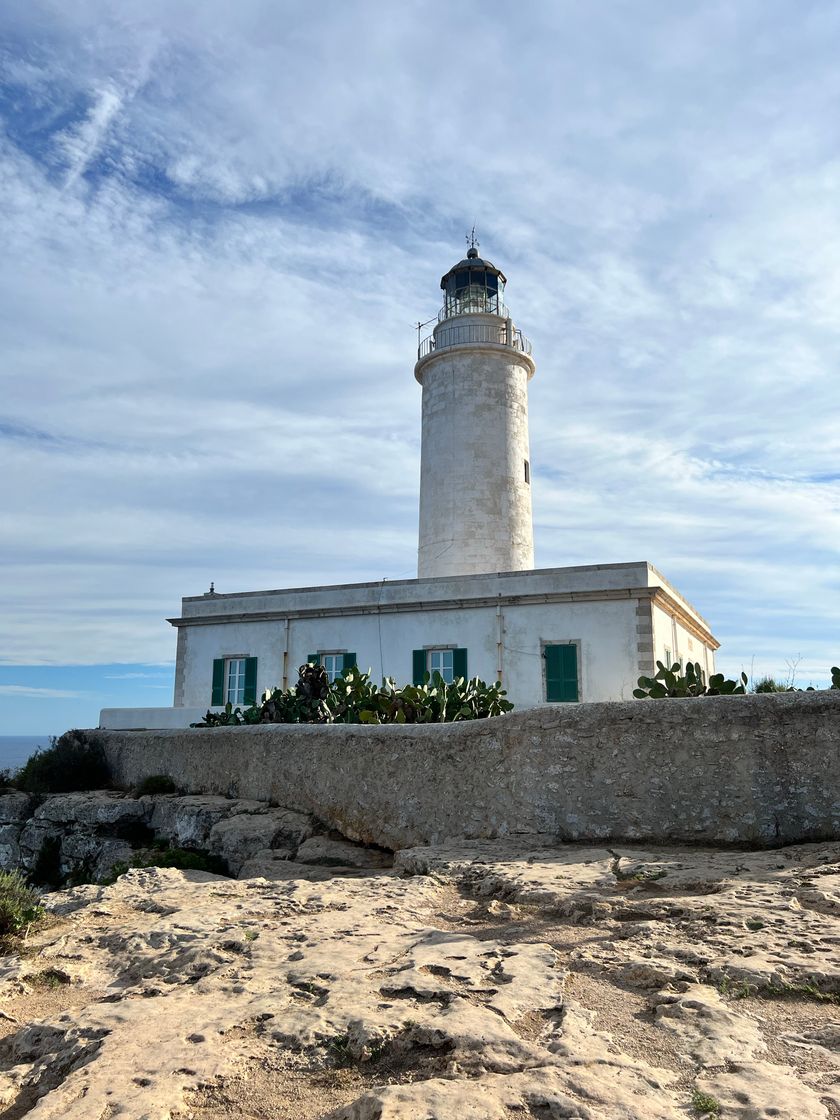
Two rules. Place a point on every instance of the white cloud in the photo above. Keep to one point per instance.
(221, 224)
(23, 691)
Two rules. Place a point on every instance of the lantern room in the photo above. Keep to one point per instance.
(473, 285)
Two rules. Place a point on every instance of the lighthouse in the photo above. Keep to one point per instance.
(475, 467)
(479, 607)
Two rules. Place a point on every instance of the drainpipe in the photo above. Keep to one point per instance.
(499, 631)
(285, 654)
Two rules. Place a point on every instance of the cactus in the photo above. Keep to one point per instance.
(674, 682)
(353, 698)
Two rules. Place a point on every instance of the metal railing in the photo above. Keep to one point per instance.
(472, 305)
(470, 333)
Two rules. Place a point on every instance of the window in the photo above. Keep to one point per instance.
(669, 659)
(440, 661)
(527, 471)
(334, 663)
(449, 662)
(234, 681)
(235, 687)
(561, 673)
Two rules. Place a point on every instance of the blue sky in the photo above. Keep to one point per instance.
(221, 223)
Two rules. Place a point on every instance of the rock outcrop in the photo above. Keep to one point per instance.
(81, 837)
(484, 981)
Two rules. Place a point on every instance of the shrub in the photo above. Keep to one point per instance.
(675, 682)
(155, 783)
(18, 904)
(69, 763)
(770, 684)
(354, 698)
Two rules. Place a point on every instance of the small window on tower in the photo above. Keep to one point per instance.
(527, 471)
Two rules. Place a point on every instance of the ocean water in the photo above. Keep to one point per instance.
(16, 749)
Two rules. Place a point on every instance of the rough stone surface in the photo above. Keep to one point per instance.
(93, 808)
(94, 830)
(762, 770)
(496, 981)
(187, 821)
(239, 838)
(14, 806)
(320, 849)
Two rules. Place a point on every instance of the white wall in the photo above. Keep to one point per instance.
(475, 503)
(669, 633)
(384, 643)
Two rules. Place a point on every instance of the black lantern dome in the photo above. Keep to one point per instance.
(473, 285)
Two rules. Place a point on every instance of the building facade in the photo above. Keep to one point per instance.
(478, 606)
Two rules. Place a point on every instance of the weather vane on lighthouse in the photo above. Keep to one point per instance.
(472, 243)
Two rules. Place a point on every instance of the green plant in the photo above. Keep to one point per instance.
(704, 1105)
(354, 698)
(674, 682)
(835, 676)
(339, 1047)
(48, 978)
(155, 783)
(251, 934)
(19, 906)
(227, 717)
(185, 859)
(770, 684)
(70, 763)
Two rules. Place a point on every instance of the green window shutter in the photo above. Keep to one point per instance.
(313, 659)
(349, 661)
(418, 660)
(561, 673)
(459, 663)
(217, 696)
(250, 680)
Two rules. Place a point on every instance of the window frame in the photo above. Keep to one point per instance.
(245, 691)
(235, 693)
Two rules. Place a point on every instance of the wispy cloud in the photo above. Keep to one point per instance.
(27, 692)
(136, 676)
(219, 235)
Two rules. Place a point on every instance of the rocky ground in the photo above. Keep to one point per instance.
(488, 981)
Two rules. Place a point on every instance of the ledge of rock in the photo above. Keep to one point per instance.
(481, 980)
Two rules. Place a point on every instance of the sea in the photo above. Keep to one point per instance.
(16, 749)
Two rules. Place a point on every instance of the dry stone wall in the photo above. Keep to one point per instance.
(758, 770)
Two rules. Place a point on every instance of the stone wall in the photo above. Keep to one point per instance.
(758, 770)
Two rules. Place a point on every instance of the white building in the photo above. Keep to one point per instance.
(478, 607)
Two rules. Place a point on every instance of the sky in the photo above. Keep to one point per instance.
(221, 224)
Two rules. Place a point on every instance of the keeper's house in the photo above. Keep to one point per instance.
(478, 606)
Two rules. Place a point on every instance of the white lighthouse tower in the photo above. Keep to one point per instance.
(475, 470)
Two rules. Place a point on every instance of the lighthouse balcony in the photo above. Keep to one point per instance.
(468, 334)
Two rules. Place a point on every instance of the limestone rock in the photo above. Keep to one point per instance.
(762, 1091)
(438, 1003)
(95, 809)
(708, 1032)
(9, 846)
(238, 839)
(276, 865)
(320, 849)
(187, 821)
(14, 806)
